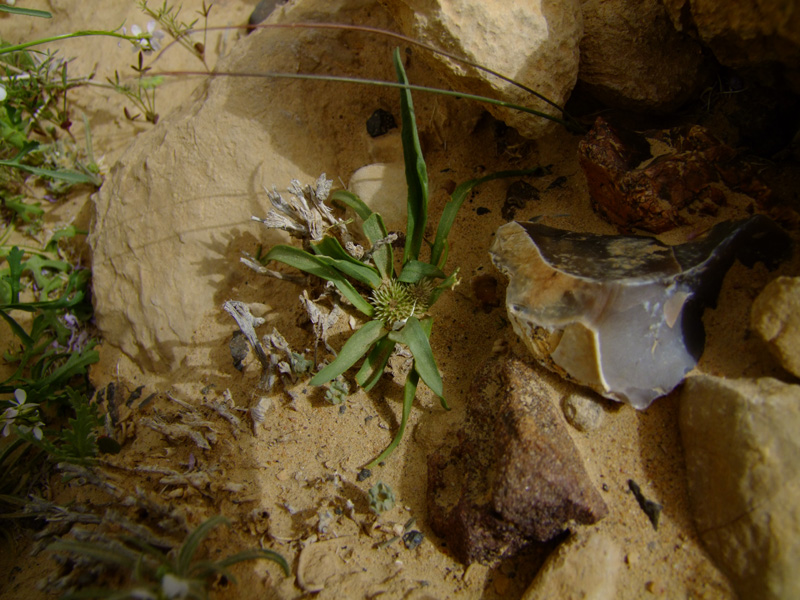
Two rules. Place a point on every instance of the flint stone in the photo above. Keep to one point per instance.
(585, 566)
(622, 314)
(775, 316)
(743, 468)
(633, 58)
(516, 478)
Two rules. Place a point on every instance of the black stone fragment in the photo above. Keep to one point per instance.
(413, 538)
(239, 349)
(363, 474)
(482, 210)
(380, 122)
(518, 195)
(649, 507)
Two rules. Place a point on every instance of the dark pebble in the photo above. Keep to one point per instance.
(413, 538)
(363, 474)
(380, 122)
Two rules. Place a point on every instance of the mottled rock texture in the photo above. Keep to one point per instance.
(742, 32)
(775, 316)
(632, 57)
(743, 468)
(534, 42)
(515, 478)
(586, 566)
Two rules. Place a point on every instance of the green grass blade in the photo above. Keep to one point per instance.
(356, 346)
(330, 251)
(17, 329)
(29, 12)
(414, 271)
(457, 199)
(415, 337)
(350, 200)
(371, 371)
(375, 229)
(416, 171)
(409, 391)
(62, 174)
(308, 263)
(256, 554)
(189, 546)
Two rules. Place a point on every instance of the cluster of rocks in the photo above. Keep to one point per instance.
(159, 258)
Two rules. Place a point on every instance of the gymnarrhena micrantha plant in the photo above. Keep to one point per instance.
(398, 302)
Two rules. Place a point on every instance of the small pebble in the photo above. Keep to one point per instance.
(380, 122)
(363, 474)
(583, 413)
(413, 538)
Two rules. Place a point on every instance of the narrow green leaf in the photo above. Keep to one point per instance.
(256, 554)
(371, 371)
(29, 12)
(356, 346)
(415, 337)
(350, 200)
(409, 391)
(415, 270)
(300, 259)
(189, 546)
(375, 229)
(62, 174)
(330, 251)
(17, 329)
(457, 199)
(14, 260)
(416, 171)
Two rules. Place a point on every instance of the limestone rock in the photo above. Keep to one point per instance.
(775, 316)
(742, 32)
(383, 188)
(535, 43)
(174, 216)
(516, 478)
(586, 566)
(743, 469)
(632, 57)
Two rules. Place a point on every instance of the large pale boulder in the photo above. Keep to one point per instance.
(743, 469)
(775, 317)
(534, 42)
(632, 57)
(174, 216)
(742, 32)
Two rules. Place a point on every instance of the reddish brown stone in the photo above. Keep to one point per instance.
(637, 195)
(515, 478)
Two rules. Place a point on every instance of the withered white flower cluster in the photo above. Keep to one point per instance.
(304, 214)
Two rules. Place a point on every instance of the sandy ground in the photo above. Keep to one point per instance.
(289, 485)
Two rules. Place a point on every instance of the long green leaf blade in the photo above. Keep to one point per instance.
(355, 347)
(330, 251)
(371, 371)
(375, 230)
(457, 199)
(189, 546)
(409, 391)
(29, 12)
(350, 200)
(256, 554)
(62, 174)
(415, 337)
(416, 171)
(299, 259)
(414, 271)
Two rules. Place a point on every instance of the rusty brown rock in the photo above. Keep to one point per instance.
(515, 478)
(634, 192)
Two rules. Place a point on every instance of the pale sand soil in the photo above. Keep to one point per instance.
(306, 455)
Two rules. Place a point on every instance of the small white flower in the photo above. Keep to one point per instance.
(20, 396)
(174, 587)
(149, 40)
(3, 93)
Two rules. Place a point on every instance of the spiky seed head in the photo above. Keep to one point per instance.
(421, 293)
(393, 302)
